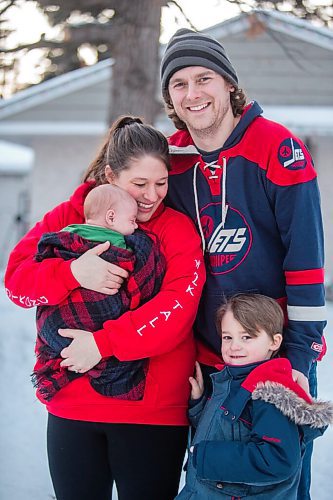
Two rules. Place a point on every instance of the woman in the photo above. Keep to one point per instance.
(95, 439)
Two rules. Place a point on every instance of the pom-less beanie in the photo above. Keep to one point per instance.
(190, 48)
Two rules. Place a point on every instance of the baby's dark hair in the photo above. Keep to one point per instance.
(254, 312)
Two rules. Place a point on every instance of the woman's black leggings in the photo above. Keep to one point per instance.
(85, 458)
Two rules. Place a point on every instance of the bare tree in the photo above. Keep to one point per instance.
(127, 31)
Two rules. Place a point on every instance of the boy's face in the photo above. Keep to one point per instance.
(240, 348)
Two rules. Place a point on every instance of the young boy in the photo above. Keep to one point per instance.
(252, 431)
(110, 215)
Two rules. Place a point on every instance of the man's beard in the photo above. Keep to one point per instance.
(211, 129)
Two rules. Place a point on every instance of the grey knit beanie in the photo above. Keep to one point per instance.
(190, 48)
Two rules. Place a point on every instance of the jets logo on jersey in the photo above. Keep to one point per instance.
(291, 155)
(227, 246)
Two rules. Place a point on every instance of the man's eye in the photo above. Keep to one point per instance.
(178, 85)
(139, 185)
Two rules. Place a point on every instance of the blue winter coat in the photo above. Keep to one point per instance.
(245, 445)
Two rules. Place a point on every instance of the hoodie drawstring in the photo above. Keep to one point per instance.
(196, 203)
(224, 184)
(224, 206)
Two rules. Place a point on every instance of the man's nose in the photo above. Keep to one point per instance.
(193, 91)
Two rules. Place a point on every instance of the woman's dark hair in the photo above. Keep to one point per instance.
(237, 99)
(128, 138)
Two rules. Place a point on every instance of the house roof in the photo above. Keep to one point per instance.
(56, 87)
(273, 52)
(280, 22)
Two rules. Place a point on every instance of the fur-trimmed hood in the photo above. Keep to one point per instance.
(316, 414)
(272, 381)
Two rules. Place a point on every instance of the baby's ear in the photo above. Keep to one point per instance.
(109, 217)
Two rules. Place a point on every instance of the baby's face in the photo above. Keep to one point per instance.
(241, 348)
(125, 218)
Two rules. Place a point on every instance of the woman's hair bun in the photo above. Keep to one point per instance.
(123, 121)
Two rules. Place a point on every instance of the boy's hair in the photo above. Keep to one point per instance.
(254, 312)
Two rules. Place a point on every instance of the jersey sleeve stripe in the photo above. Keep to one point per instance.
(299, 313)
(307, 277)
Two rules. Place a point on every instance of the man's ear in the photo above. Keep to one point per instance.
(110, 177)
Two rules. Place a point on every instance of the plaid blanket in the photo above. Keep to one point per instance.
(88, 310)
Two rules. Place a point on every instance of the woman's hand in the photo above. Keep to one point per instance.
(197, 383)
(96, 274)
(82, 354)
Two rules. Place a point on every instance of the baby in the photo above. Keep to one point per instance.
(110, 214)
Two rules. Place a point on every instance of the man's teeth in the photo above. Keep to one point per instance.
(143, 205)
(198, 108)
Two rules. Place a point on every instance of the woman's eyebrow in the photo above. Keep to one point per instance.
(146, 179)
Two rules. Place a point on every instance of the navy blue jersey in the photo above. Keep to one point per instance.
(257, 210)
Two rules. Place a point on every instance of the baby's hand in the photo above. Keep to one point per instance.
(197, 383)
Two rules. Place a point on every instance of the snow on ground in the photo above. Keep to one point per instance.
(23, 464)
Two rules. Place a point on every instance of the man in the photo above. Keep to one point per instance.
(250, 187)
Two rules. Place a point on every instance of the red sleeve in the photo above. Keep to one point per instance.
(29, 283)
(166, 320)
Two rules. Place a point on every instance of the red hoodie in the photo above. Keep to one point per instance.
(161, 329)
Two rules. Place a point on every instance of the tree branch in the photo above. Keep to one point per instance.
(188, 20)
(40, 44)
(95, 33)
(6, 7)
